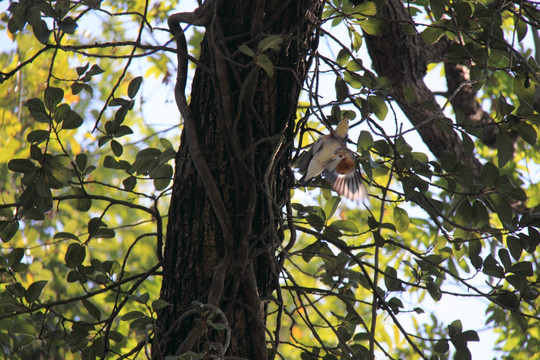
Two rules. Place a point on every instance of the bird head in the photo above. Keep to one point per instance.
(342, 129)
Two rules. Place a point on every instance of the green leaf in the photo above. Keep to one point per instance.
(331, 206)
(103, 140)
(265, 63)
(134, 86)
(116, 336)
(68, 25)
(468, 335)
(146, 161)
(123, 131)
(15, 257)
(345, 225)
(65, 235)
(61, 112)
(95, 70)
(217, 326)
(468, 144)
(464, 213)
(72, 121)
(16, 289)
(508, 300)
(521, 320)
(492, 267)
(143, 298)
(401, 219)
(77, 87)
(166, 143)
(52, 97)
(133, 315)
(103, 233)
(501, 207)
(373, 26)
(490, 175)
(521, 28)
(515, 246)
(342, 89)
(315, 221)
(527, 132)
(81, 160)
(434, 291)
(101, 279)
(524, 268)
(503, 108)
(432, 34)
(41, 31)
(272, 42)
(365, 141)
(159, 304)
(75, 255)
(504, 256)
(505, 148)
(9, 231)
(122, 102)
(525, 94)
(244, 49)
(365, 8)
(34, 291)
(355, 81)
(391, 279)
(37, 110)
(311, 250)
(83, 202)
(409, 94)
(141, 325)
(441, 346)
(378, 106)
(18, 17)
(344, 333)
(24, 166)
(480, 214)
(437, 8)
(456, 327)
(462, 354)
(463, 12)
(342, 57)
(475, 248)
(117, 148)
(82, 69)
(129, 183)
(378, 239)
(111, 163)
(162, 176)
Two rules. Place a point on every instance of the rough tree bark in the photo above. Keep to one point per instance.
(244, 123)
(403, 58)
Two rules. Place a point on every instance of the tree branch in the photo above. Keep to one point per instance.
(403, 58)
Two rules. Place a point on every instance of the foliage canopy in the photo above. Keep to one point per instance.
(85, 181)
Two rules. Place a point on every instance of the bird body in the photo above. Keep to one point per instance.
(330, 157)
(323, 156)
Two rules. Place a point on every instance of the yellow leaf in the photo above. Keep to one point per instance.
(296, 333)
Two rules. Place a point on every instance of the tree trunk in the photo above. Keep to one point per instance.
(403, 58)
(245, 125)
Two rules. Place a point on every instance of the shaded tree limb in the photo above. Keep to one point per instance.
(403, 58)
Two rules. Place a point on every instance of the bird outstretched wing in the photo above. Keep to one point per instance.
(345, 177)
(330, 157)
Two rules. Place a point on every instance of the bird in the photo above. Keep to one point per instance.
(338, 164)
